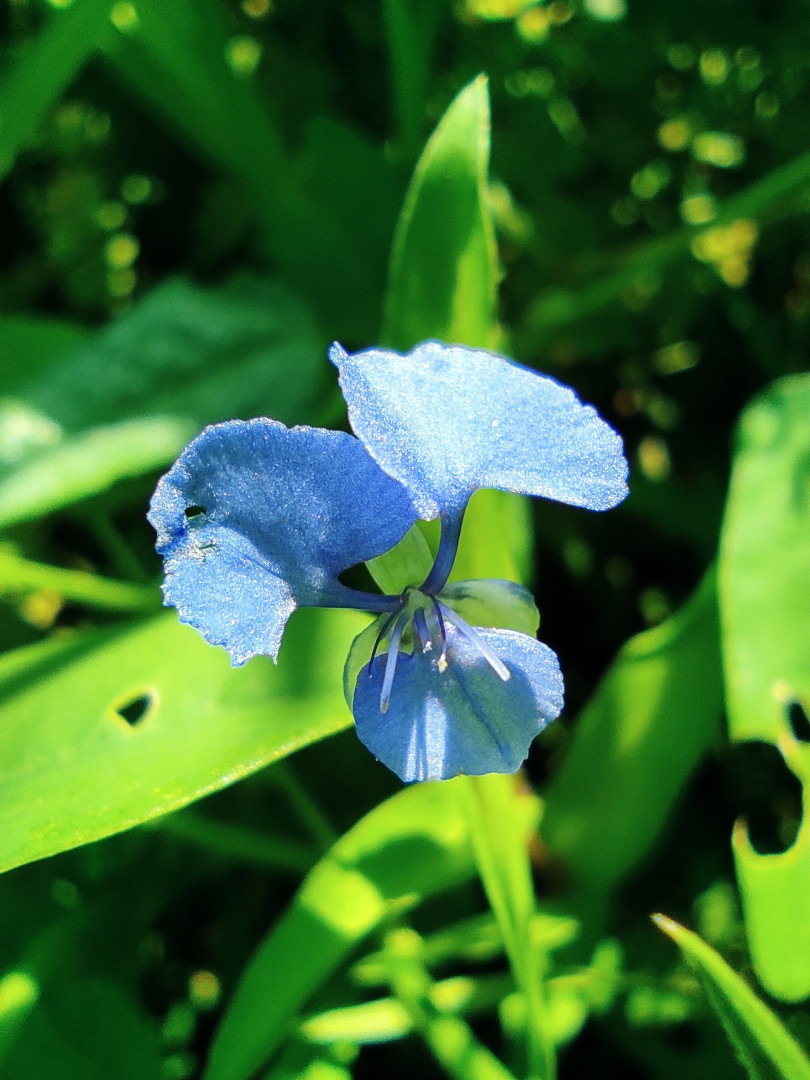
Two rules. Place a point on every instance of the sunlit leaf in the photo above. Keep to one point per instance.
(765, 594)
(446, 290)
(88, 464)
(120, 726)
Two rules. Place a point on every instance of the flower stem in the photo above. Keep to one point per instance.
(445, 556)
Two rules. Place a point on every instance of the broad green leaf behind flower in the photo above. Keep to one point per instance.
(765, 609)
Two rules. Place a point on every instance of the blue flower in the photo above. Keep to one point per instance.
(255, 519)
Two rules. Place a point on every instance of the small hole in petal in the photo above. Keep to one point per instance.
(799, 723)
(134, 708)
(194, 512)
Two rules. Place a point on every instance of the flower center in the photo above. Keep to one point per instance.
(426, 618)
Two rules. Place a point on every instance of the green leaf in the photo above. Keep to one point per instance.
(635, 745)
(45, 69)
(19, 576)
(128, 399)
(120, 726)
(443, 264)
(410, 847)
(173, 54)
(57, 1039)
(765, 605)
(765, 563)
(192, 352)
(29, 345)
(765, 1048)
(89, 464)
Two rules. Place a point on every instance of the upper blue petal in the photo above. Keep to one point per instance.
(463, 719)
(446, 420)
(255, 518)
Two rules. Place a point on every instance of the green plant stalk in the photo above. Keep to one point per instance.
(123, 559)
(501, 855)
(449, 1038)
(387, 1019)
(19, 576)
(237, 842)
(775, 196)
(304, 806)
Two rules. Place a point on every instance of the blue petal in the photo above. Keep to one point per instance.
(464, 719)
(446, 420)
(255, 518)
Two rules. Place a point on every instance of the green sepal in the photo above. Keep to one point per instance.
(407, 563)
(490, 602)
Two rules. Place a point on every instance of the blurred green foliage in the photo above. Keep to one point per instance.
(196, 199)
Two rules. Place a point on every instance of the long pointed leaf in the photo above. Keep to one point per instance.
(635, 744)
(765, 1047)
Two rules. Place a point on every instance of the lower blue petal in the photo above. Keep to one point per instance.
(463, 719)
(255, 518)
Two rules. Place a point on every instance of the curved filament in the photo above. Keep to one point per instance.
(488, 654)
(391, 662)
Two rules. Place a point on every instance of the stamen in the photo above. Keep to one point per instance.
(442, 632)
(464, 628)
(381, 635)
(421, 627)
(391, 662)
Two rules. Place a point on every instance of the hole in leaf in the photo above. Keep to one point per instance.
(194, 512)
(799, 723)
(767, 794)
(135, 709)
